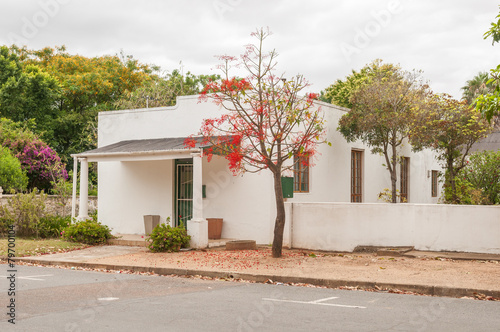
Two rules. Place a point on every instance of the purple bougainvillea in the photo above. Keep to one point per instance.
(42, 164)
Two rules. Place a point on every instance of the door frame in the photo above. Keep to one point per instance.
(177, 163)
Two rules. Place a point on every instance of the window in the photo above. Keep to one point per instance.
(356, 176)
(434, 185)
(300, 174)
(405, 170)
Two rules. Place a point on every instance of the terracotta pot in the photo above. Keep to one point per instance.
(214, 228)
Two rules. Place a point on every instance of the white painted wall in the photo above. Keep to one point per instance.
(245, 202)
(181, 120)
(435, 227)
(129, 190)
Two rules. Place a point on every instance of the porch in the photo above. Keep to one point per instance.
(153, 155)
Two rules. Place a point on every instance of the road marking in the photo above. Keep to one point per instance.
(32, 277)
(318, 302)
(325, 299)
(108, 299)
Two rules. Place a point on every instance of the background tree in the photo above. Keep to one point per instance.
(381, 113)
(88, 85)
(163, 91)
(340, 93)
(489, 103)
(450, 128)
(478, 85)
(27, 92)
(482, 172)
(266, 123)
(15, 135)
(32, 94)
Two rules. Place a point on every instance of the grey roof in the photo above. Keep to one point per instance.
(490, 143)
(146, 145)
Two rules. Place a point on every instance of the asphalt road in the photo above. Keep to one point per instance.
(50, 299)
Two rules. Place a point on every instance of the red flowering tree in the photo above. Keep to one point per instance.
(267, 120)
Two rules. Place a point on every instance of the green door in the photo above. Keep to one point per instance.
(184, 190)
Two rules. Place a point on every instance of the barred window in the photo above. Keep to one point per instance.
(301, 174)
(405, 175)
(434, 185)
(356, 176)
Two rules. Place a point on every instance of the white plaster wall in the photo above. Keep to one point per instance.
(245, 202)
(130, 190)
(181, 120)
(435, 227)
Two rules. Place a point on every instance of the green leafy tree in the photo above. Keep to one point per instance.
(27, 92)
(88, 85)
(482, 171)
(10, 65)
(489, 103)
(12, 176)
(340, 93)
(450, 128)
(15, 135)
(478, 85)
(381, 113)
(32, 94)
(163, 91)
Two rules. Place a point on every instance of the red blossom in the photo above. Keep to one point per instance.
(190, 142)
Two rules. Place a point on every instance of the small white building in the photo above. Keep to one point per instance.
(145, 169)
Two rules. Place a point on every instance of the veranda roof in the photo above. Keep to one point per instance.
(144, 149)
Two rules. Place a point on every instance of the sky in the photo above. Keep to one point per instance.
(323, 40)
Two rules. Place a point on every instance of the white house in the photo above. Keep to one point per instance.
(145, 169)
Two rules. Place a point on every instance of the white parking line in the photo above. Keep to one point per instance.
(31, 277)
(325, 299)
(318, 302)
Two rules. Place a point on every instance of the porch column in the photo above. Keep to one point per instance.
(197, 227)
(73, 196)
(83, 211)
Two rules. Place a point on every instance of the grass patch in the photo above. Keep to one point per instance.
(37, 247)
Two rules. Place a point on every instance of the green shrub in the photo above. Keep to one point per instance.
(466, 193)
(4, 224)
(11, 173)
(63, 189)
(165, 238)
(483, 173)
(25, 210)
(87, 231)
(52, 226)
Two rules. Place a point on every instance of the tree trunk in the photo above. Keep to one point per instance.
(452, 184)
(279, 224)
(394, 177)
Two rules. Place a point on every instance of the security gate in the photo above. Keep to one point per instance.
(184, 191)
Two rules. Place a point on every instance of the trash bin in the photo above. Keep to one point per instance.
(150, 222)
(214, 228)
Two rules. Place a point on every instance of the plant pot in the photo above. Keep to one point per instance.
(150, 222)
(214, 228)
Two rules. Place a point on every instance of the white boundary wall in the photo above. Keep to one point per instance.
(343, 226)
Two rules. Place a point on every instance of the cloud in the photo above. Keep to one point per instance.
(442, 38)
